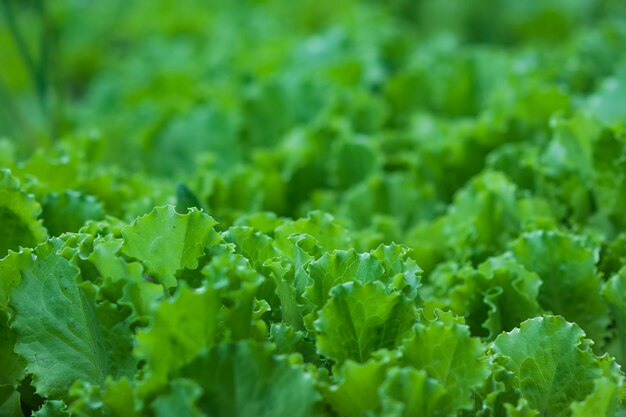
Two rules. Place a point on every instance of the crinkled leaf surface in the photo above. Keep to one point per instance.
(359, 319)
(571, 285)
(339, 267)
(166, 241)
(244, 379)
(356, 390)
(180, 329)
(446, 351)
(410, 392)
(553, 363)
(64, 334)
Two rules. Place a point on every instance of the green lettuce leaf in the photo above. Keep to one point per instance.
(167, 242)
(444, 349)
(571, 285)
(355, 391)
(63, 332)
(409, 392)
(245, 379)
(360, 319)
(554, 365)
(180, 329)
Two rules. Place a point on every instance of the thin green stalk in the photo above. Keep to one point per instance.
(45, 68)
(20, 42)
(38, 71)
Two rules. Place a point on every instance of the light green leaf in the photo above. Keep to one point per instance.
(521, 410)
(180, 329)
(356, 390)
(114, 398)
(339, 267)
(257, 247)
(105, 256)
(409, 392)
(329, 233)
(400, 269)
(359, 319)
(553, 363)
(446, 351)
(166, 241)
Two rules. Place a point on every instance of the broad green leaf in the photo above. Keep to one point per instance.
(58, 321)
(409, 392)
(446, 351)
(180, 329)
(360, 319)
(571, 285)
(553, 363)
(495, 297)
(356, 388)
(244, 379)
(167, 242)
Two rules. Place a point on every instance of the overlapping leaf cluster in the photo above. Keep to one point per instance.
(336, 208)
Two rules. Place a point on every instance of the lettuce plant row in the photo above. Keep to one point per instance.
(315, 209)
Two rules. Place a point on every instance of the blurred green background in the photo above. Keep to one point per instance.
(378, 112)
